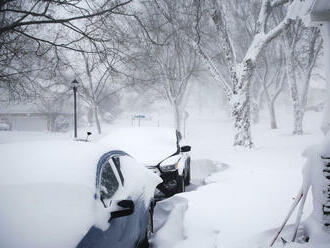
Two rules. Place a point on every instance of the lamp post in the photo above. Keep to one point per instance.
(74, 87)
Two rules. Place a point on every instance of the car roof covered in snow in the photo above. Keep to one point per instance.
(59, 161)
(149, 145)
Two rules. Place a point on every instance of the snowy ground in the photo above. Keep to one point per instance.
(235, 193)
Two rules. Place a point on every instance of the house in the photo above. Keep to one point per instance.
(26, 117)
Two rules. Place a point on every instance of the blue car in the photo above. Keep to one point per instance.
(73, 194)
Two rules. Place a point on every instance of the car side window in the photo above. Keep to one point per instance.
(116, 162)
(109, 184)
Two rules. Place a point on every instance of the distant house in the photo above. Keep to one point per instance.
(26, 117)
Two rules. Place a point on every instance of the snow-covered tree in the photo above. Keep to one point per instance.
(302, 47)
(239, 66)
(241, 69)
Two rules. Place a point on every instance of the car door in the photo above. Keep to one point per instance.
(135, 186)
(110, 184)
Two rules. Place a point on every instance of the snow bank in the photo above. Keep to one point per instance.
(44, 215)
(169, 218)
(47, 192)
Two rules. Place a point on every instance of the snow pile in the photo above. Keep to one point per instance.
(169, 218)
(47, 192)
(44, 215)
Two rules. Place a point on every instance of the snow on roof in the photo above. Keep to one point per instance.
(70, 162)
(27, 107)
(18, 108)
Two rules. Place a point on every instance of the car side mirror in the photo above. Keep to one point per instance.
(185, 148)
(126, 207)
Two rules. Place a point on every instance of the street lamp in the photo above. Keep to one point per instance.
(74, 84)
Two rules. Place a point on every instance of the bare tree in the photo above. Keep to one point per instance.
(177, 63)
(98, 81)
(272, 76)
(172, 64)
(31, 29)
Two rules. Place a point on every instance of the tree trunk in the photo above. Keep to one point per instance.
(297, 111)
(255, 112)
(97, 121)
(298, 120)
(242, 120)
(273, 122)
(178, 117)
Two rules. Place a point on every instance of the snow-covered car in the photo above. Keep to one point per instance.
(160, 150)
(66, 194)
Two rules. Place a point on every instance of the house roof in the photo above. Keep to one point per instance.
(27, 108)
